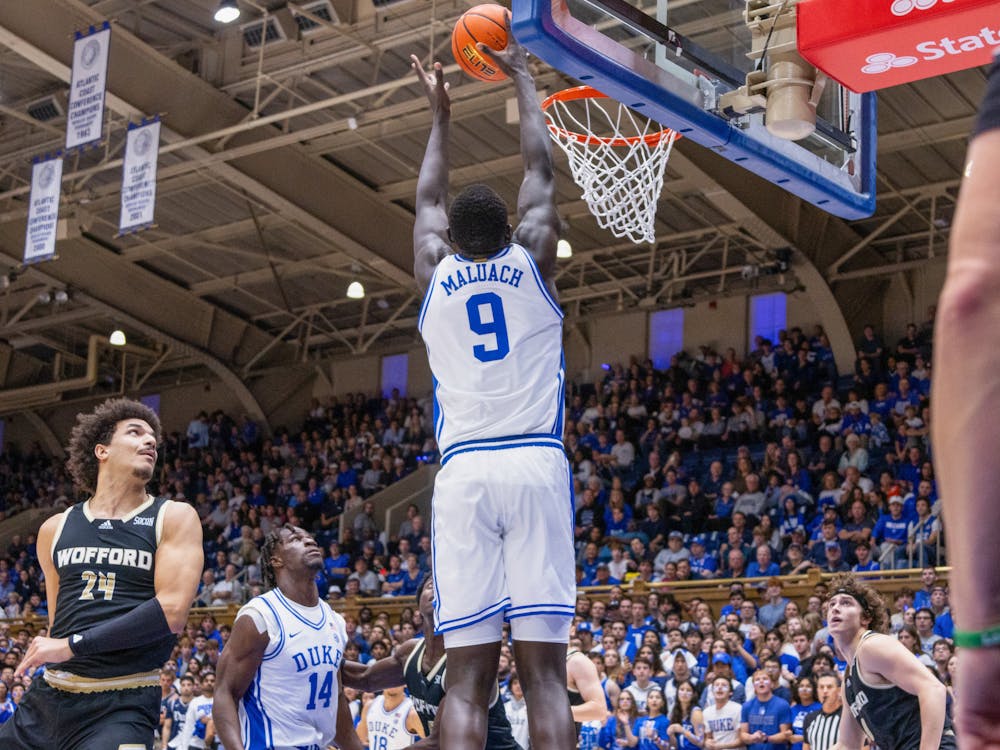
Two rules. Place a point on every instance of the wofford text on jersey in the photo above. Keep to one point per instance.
(127, 558)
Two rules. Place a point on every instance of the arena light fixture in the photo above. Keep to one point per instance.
(227, 12)
(356, 290)
(117, 337)
(564, 249)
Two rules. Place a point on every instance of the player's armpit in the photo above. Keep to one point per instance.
(179, 562)
(413, 724)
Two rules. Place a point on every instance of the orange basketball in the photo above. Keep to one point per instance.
(486, 24)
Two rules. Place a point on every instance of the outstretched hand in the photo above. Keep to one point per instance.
(512, 59)
(434, 86)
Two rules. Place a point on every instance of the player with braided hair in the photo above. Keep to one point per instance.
(278, 682)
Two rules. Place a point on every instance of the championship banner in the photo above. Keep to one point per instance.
(85, 112)
(43, 210)
(139, 176)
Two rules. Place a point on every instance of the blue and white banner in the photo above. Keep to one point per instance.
(43, 210)
(85, 115)
(139, 176)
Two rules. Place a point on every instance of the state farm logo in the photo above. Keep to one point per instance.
(883, 62)
(904, 7)
(986, 38)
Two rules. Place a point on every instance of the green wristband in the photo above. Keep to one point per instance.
(988, 638)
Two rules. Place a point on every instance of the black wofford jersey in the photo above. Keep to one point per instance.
(427, 691)
(106, 568)
(889, 715)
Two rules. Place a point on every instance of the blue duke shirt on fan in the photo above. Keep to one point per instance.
(292, 700)
(494, 342)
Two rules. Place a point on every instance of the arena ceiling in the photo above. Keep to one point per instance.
(288, 170)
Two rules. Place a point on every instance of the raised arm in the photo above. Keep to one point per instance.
(237, 666)
(538, 225)
(964, 426)
(430, 231)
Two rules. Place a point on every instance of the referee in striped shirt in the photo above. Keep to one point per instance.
(821, 727)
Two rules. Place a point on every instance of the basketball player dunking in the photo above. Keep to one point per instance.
(502, 523)
(279, 676)
(889, 696)
(421, 665)
(121, 570)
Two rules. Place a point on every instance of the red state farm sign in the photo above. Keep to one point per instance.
(872, 44)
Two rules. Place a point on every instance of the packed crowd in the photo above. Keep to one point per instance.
(674, 672)
(712, 468)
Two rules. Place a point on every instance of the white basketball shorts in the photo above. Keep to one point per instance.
(502, 530)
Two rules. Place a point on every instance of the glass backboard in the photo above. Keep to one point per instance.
(675, 61)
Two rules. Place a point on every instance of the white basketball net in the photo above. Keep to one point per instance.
(617, 159)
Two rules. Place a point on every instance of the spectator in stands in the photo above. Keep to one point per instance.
(368, 582)
(891, 533)
(364, 522)
(863, 556)
(870, 349)
(198, 432)
(834, 562)
(773, 611)
(751, 502)
(229, 590)
(922, 535)
(854, 455)
(763, 565)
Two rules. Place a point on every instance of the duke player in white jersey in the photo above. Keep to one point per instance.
(502, 525)
(279, 676)
(390, 722)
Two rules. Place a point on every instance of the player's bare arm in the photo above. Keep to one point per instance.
(237, 666)
(538, 225)
(888, 658)
(362, 729)
(964, 426)
(44, 650)
(850, 735)
(346, 737)
(582, 674)
(378, 675)
(179, 560)
(44, 544)
(413, 724)
(430, 230)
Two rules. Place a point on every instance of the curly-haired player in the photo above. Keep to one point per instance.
(889, 696)
(121, 570)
